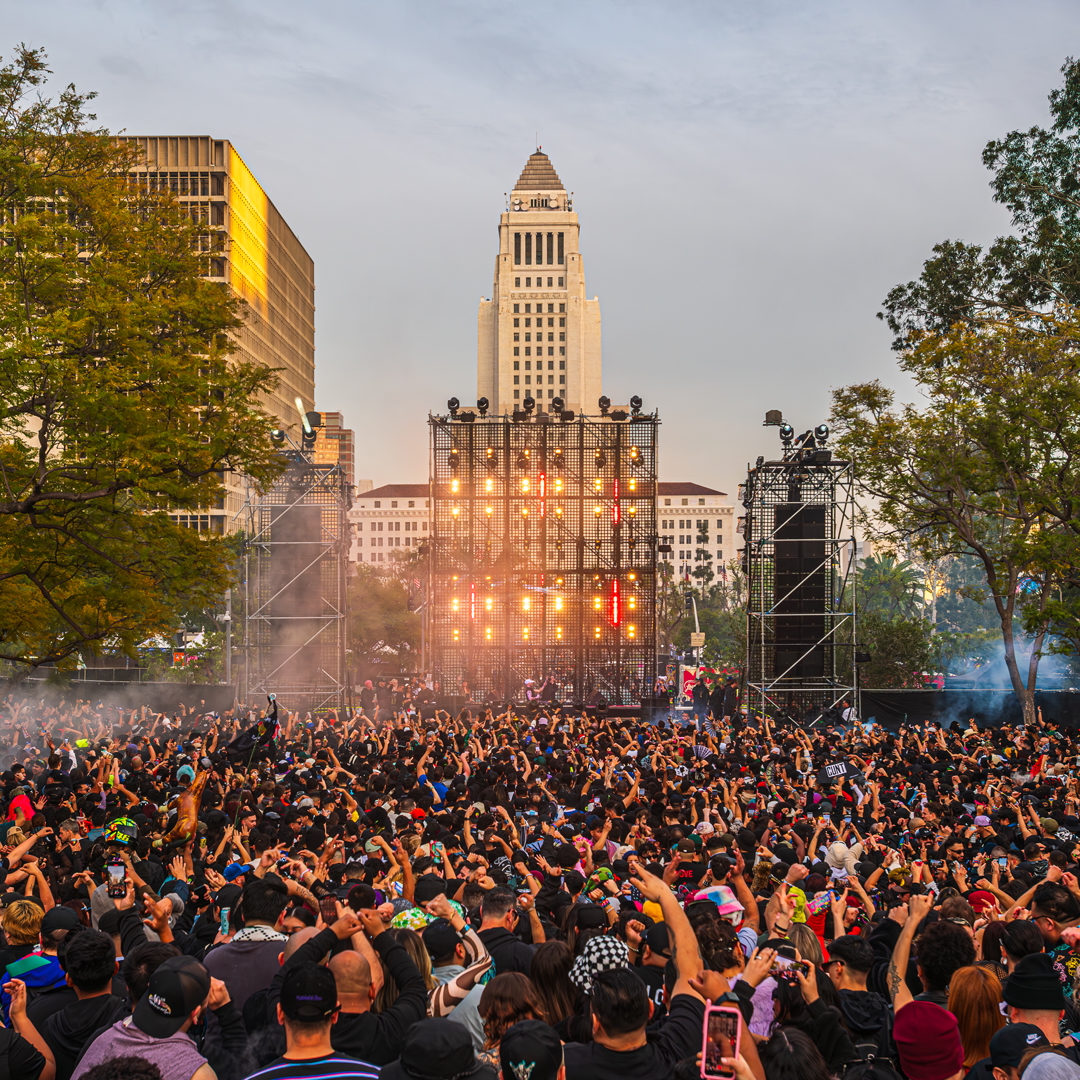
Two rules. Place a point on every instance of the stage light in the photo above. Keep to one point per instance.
(558, 633)
(526, 603)
(467, 418)
(487, 633)
(787, 433)
(558, 485)
(598, 510)
(567, 415)
(524, 511)
(558, 511)
(454, 461)
(633, 577)
(492, 459)
(821, 432)
(557, 404)
(635, 404)
(277, 436)
(489, 485)
(635, 453)
(455, 511)
(605, 404)
(597, 632)
(457, 634)
(631, 631)
(558, 603)
(557, 457)
(454, 485)
(525, 633)
(529, 404)
(523, 459)
(598, 483)
(631, 603)
(454, 604)
(631, 510)
(598, 602)
(482, 404)
(489, 510)
(601, 459)
(453, 405)
(525, 484)
(489, 603)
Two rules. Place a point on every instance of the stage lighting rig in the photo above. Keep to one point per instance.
(604, 403)
(529, 404)
(635, 405)
(483, 404)
(453, 405)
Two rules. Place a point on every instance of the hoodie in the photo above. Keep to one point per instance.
(69, 1030)
(868, 1017)
(40, 973)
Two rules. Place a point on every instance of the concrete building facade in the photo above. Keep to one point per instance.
(393, 516)
(335, 444)
(538, 334)
(692, 519)
(250, 247)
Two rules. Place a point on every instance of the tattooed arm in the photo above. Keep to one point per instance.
(899, 993)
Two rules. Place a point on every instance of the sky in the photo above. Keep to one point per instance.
(751, 178)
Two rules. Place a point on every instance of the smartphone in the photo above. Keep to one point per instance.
(223, 925)
(328, 907)
(1002, 863)
(720, 1039)
(117, 885)
(784, 965)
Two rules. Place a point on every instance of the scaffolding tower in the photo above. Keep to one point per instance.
(799, 559)
(295, 551)
(543, 553)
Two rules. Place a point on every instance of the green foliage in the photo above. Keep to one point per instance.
(380, 626)
(721, 607)
(889, 586)
(901, 650)
(1028, 273)
(119, 396)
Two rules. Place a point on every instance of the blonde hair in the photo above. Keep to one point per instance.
(22, 922)
(15, 836)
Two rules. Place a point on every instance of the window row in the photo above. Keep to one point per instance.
(540, 365)
(540, 379)
(391, 541)
(540, 283)
(540, 350)
(540, 322)
(538, 393)
(539, 310)
(684, 502)
(535, 246)
(393, 526)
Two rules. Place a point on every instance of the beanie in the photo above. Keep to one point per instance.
(1034, 984)
(927, 1039)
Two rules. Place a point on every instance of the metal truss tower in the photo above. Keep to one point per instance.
(799, 558)
(543, 553)
(295, 549)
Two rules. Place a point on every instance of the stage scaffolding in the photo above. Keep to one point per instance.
(543, 554)
(799, 557)
(296, 542)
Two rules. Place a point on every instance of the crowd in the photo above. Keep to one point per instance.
(537, 895)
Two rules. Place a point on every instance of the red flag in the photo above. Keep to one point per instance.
(1038, 766)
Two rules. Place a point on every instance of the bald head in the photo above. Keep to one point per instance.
(298, 939)
(352, 972)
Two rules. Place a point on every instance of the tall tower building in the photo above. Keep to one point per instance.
(538, 335)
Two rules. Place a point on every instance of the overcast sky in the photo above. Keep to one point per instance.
(751, 177)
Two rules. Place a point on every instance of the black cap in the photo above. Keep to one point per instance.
(60, 918)
(530, 1050)
(178, 987)
(437, 1048)
(1009, 1044)
(658, 939)
(440, 938)
(309, 993)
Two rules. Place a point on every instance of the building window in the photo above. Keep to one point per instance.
(517, 249)
(562, 283)
(562, 307)
(561, 259)
(516, 307)
(528, 322)
(377, 504)
(562, 380)
(686, 502)
(528, 249)
(551, 307)
(562, 335)
(517, 394)
(517, 283)
(516, 362)
(549, 282)
(517, 379)
(528, 379)
(562, 322)
(393, 505)
(551, 351)
(517, 337)
(562, 364)
(528, 365)
(551, 393)
(517, 322)
(701, 502)
(562, 350)
(528, 283)
(528, 310)
(528, 351)
(411, 503)
(528, 337)
(551, 365)
(667, 502)
(719, 524)
(551, 379)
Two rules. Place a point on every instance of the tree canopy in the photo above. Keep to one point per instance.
(120, 397)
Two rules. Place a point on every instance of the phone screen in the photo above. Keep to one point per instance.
(721, 1041)
(328, 906)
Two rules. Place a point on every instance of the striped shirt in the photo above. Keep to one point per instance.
(320, 1068)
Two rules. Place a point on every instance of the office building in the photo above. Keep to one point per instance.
(698, 523)
(335, 444)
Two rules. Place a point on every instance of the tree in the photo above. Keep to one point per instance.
(1022, 276)
(987, 469)
(703, 571)
(380, 625)
(889, 586)
(900, 649)
(120, 399)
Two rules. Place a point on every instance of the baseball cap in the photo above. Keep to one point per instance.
(235, 870)
(658, 939)
(440, 938)
(437, 1048)
(530, 1050)
(981, 821)
(1012, 1042)
(704, 828)
(60, 918)
(687, 845)
(179, 986)
(927, 1039)
(309, 993)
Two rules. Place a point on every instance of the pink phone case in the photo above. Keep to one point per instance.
(736, 1016)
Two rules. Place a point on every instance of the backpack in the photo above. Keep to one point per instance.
(873, 1056)
(873, 1068)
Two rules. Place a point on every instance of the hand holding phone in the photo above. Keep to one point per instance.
(117, 880)
(720, 1039)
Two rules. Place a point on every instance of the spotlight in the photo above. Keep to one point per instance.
(601, 459)
(635, 405)
(529, 404)
(787, 433)
(277, 436)
(523, 459)
(492, 459)
(605, 404)
(453, 460)
(453, 405)
(482, 404)
(557, 404)
(821, 432)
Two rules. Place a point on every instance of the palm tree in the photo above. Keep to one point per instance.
(891, 587)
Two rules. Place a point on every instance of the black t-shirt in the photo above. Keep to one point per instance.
(23, 1058)
(677, 1038)
(653, 978)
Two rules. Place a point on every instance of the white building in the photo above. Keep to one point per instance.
(698, 523)
(391, 516)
